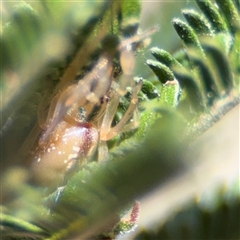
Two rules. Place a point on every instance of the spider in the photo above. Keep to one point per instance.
(82, 118)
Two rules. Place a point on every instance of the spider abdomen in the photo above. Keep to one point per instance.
(67, 146)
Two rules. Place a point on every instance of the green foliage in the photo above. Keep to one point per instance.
(197, 22)
(204, 69)
(57, 40)
(150, 90)
(213, 15)
(11, 224)
(163, 73)
(200, 221)
(164, 57)
(79, 205)
(187, 34)
(230, 14)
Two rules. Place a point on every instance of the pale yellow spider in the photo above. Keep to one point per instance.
(82, 119)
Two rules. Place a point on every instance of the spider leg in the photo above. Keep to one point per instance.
(102, 151)
(127, 60)
(134, 123)
(108, 133)
(137, 38)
